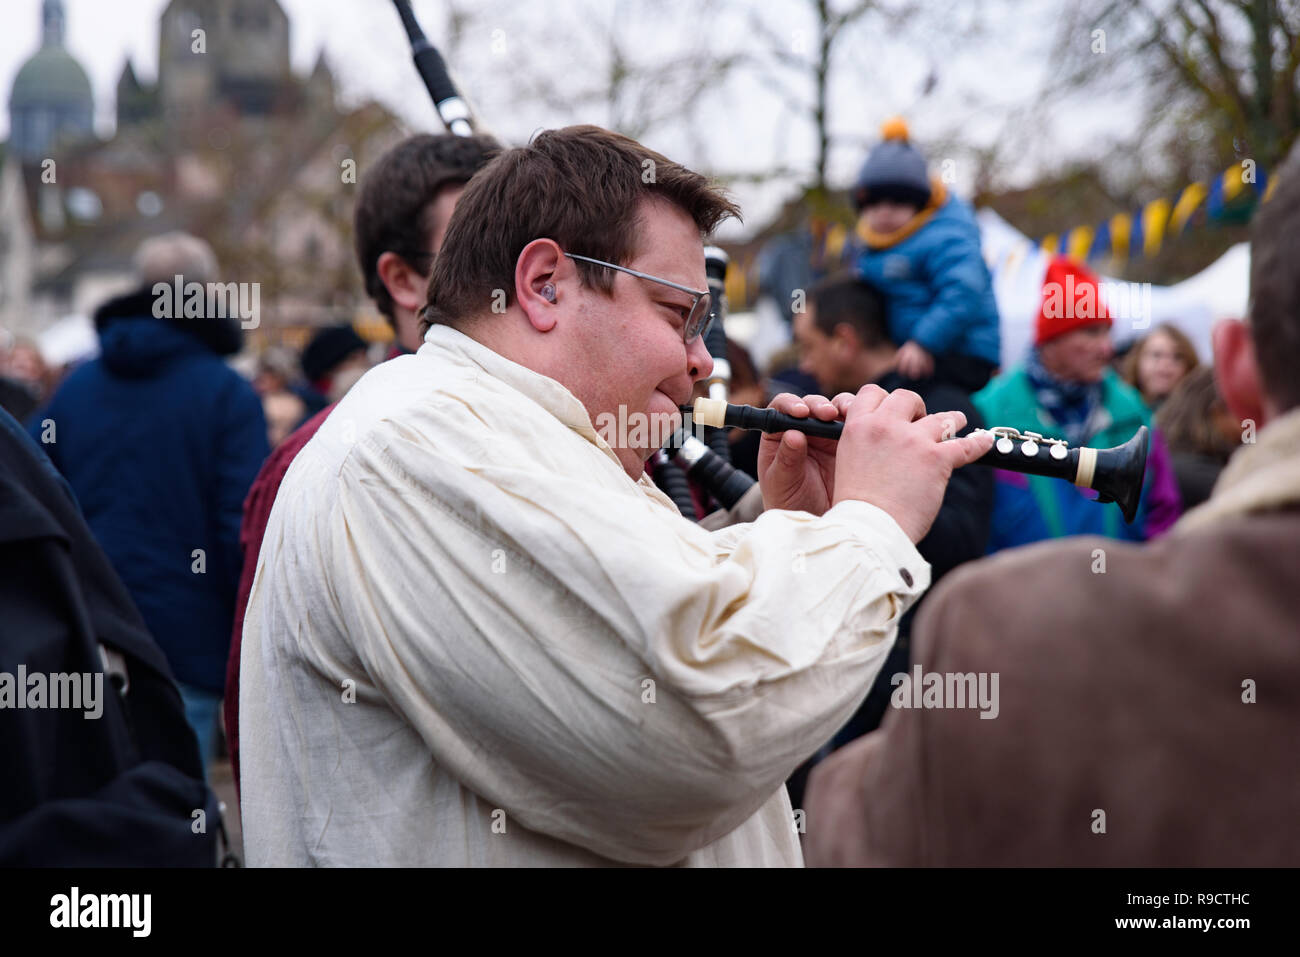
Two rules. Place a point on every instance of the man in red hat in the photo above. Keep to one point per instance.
(1066, 389)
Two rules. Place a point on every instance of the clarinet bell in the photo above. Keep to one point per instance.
(1120, 472)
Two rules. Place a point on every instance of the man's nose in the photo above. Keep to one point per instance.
(701, 363)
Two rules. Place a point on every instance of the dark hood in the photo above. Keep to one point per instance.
(135, 343)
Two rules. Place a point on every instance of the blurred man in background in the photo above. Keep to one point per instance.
(402, 213)
(160, 441)
(1148, 709)
(334, 359)
(1066, 389)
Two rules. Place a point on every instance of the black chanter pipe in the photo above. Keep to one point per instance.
(1115, 474)
(453, 109)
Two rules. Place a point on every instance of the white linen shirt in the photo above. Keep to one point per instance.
(472, 639)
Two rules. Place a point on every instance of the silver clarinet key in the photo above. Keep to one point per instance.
(1030, 448)
(1005, 445)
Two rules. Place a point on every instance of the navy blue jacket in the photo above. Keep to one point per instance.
(160, 441)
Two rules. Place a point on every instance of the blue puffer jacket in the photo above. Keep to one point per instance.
(937, 288)
(160, 441)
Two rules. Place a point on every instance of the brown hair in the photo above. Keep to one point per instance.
(844, 298)
(1275, 285)
(580, 186)
(1182, 345)
(1188, 420)
(393, 207)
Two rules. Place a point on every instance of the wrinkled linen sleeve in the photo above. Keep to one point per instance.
(602, 670)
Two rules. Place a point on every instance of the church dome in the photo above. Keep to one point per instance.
(51, 97)
(51, 77)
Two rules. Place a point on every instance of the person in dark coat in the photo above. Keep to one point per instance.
(844, 343)
(160, 441)
(112, 779)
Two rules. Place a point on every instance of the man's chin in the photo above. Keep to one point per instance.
(665, 412)
(643, 431)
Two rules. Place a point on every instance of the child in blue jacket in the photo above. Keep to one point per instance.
(922, 251)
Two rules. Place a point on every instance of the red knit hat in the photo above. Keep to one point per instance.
(1070, 300)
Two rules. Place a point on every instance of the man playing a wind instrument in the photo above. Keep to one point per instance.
(480, 635)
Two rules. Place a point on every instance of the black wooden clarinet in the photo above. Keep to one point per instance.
(1115, 474)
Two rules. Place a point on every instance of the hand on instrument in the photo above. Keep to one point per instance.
(914, 361)
(796, 472)
(892, 455)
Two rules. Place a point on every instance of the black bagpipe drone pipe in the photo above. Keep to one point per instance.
(451, 106)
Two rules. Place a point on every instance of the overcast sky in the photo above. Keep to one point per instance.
(742, 124)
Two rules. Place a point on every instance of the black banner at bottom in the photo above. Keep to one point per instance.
(232, 906)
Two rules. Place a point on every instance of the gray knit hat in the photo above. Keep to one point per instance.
(895, 170)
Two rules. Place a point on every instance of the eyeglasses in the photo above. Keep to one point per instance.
(698, 320)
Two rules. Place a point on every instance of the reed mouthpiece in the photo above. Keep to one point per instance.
(712, 412)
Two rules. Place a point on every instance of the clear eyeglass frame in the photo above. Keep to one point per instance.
(700, 317)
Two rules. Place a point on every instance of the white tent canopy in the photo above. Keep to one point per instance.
(1220, 291)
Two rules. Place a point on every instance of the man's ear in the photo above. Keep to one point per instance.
(1236, 371)
(408, 288)
(847, 341)
(541, 282)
